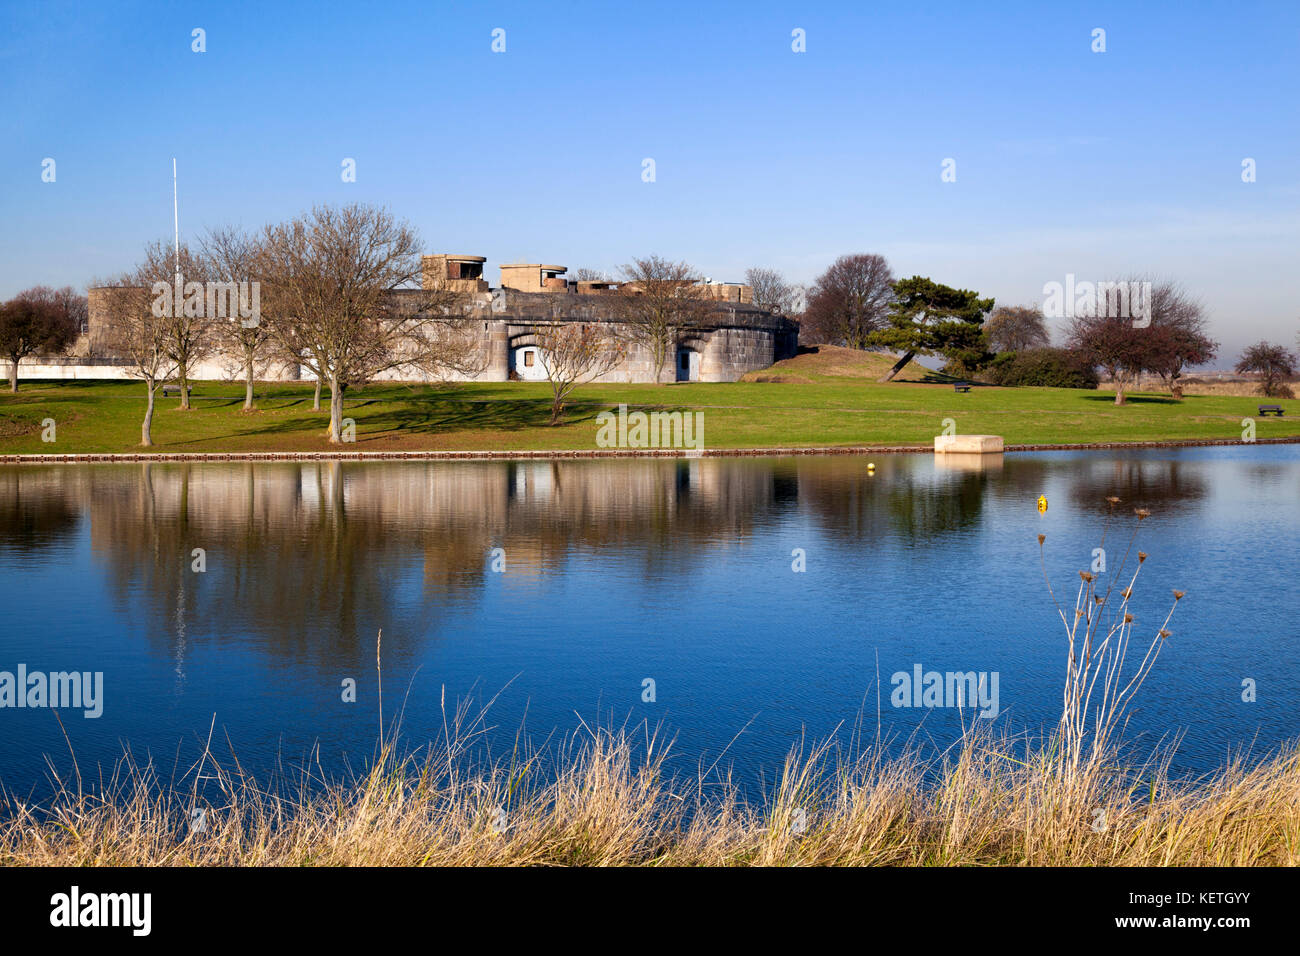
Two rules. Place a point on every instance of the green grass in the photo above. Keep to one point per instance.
(104, 417)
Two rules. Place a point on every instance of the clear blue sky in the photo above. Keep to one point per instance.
(1068, 161)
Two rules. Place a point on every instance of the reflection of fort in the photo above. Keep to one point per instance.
(314, 558)
(309, 560)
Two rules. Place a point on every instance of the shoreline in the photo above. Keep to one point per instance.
(686, 453)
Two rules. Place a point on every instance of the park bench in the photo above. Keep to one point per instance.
(168, 389)
(1270, 410)
(961, 387)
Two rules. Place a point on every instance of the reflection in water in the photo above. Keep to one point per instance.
(291, 547)
(37, 508)
(614, 569)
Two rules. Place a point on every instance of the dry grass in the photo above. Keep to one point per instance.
(990, 804)
(604, 797)
(1196, 387)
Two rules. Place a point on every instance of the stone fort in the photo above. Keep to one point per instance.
(727, 337)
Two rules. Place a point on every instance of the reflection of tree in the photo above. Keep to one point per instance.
(35, 511)
(927, 511)
(287, 558)
(1137, 482)
(906, 496)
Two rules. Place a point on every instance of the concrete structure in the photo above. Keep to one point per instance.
(728, 291)
(968, 444)
(534, 277)
(454, 273)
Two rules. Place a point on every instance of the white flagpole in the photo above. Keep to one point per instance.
(176, 220)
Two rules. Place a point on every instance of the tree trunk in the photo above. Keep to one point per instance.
(145, 438)
(898, 366)
(336, 413)
(1119, 392)
(185, 389)
(13, 375)
(248, 384)
(315, 401)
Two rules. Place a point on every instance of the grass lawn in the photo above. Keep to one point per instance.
(824, 410)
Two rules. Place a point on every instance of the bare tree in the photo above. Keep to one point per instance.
(133, 330)
(230, 258)
(660, 298)
(849, 301)
(589, 275)
(176, 281)
(39, 320)
(1178, 325)
(341, 286)
(573, 354)
(1274, 364)
(1015, 328)
(1113, 343)
(771, 291)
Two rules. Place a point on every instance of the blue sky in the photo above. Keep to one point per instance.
(1067, 161)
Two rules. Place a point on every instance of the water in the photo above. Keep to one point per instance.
(619, 571)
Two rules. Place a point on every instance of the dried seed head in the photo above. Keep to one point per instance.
(1113, 500)
(1128, 618)
(1041, 539)
(1078, 613)
(1086, 576)
(1127, 592)
(1098, 598)
(1142, 556)
(1164, 633)
(1178, 595)
(1141, 513)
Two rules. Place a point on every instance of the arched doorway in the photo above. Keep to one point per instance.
(527, 361)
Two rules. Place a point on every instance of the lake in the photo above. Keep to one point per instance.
(564, 586)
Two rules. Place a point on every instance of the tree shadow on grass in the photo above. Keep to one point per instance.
(1130, 399)
(929, 376)
(411, 417)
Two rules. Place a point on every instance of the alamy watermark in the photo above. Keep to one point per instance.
(1115, 300)
(125, 910)
(81, 690)
(209, 300)
(653, 430)
(959, 689)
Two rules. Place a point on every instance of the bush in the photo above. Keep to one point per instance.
(1048, 367)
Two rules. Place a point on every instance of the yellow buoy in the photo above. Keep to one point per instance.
(1042, 503)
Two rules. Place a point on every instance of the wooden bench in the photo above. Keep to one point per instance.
(168, 389)
(961, 387)
(1270, 410)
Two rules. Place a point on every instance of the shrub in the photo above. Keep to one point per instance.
(1049, 367)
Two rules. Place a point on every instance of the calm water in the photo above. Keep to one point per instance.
(618, 571)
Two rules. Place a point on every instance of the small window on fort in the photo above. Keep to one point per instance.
(528, 359)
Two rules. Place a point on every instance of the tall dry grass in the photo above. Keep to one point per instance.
(604, 796)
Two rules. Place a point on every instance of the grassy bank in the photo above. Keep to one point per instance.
(104, 417)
